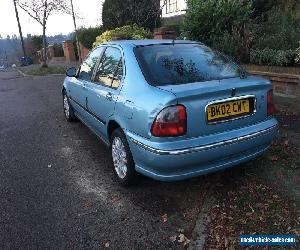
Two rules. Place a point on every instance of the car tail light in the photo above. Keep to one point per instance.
(270, 103)
(171, 121)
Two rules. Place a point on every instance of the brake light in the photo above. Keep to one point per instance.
(171, 121)
(270, 103)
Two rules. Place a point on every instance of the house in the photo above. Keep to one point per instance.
(172, 10)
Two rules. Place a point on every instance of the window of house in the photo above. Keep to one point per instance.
(110, 70)
(88, 66)
(172, 6)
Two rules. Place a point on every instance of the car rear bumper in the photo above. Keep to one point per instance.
(187, 158)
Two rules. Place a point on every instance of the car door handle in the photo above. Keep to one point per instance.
(109, 96)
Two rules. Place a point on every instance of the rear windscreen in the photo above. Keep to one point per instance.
(168, 64)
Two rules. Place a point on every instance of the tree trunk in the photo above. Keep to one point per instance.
(44, 64)
(20, 29)
(76, 34)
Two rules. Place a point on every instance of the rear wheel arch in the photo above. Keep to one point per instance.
(112, 125)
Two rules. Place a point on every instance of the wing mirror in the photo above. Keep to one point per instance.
(71, 72)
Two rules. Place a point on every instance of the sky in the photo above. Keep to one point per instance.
(89, 12)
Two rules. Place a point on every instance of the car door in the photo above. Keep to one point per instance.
(77, 90)
(103, 91)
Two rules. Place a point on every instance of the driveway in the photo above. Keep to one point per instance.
(58, 191)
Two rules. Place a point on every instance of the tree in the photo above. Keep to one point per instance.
(40, 10)
(76, 33)
(20, 29)
(144, 13)
(87, 36)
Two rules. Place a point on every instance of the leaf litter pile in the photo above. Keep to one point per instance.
(260, 198)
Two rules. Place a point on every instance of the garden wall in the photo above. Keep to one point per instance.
(286, 81)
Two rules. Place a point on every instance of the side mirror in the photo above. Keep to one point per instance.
(71, 72)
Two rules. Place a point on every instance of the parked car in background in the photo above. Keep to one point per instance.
(170, 110)
(25, 61)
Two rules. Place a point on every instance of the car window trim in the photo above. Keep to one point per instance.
(97, 64)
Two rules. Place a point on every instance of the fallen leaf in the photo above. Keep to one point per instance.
(274, 158)
(181, 238)
(88, 204)
(173, 238)
(164, 218)
(106, 244)
(49, 166)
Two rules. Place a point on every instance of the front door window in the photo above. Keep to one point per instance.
(88, 66)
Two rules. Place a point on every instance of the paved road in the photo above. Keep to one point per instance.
(57, 186)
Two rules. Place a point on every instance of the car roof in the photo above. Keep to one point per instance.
(146, 42)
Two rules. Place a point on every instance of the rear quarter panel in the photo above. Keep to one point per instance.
(139, 103)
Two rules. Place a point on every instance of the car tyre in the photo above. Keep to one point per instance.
(68, 109)
(122, 158)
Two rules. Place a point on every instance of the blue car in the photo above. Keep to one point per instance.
(170, 110)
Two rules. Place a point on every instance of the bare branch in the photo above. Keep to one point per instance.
(40, 10)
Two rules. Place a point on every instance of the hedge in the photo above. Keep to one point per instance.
(273, 57)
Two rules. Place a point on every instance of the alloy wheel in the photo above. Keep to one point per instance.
(119, 157)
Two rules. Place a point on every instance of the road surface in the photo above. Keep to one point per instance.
(57, 186)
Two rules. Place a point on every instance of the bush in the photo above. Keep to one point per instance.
(87, 36)
(235, 44)
(278, 30)
(207, 20)
(126, 32)
(273, 57)
(298, 55)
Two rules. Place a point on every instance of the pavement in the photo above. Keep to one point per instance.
(57, 186)
(58, 190)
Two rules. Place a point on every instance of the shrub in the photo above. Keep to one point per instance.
(273, 57)
(278, 30)
(126, 32)
(236, 45)
(37, 42)
(298, 55)
(87, 36)
(207, 20)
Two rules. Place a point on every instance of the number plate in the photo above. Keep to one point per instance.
(227, 110)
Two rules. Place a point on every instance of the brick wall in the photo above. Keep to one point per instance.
(164, 33)
(83, 51)
(69, 51)
(283, 84)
